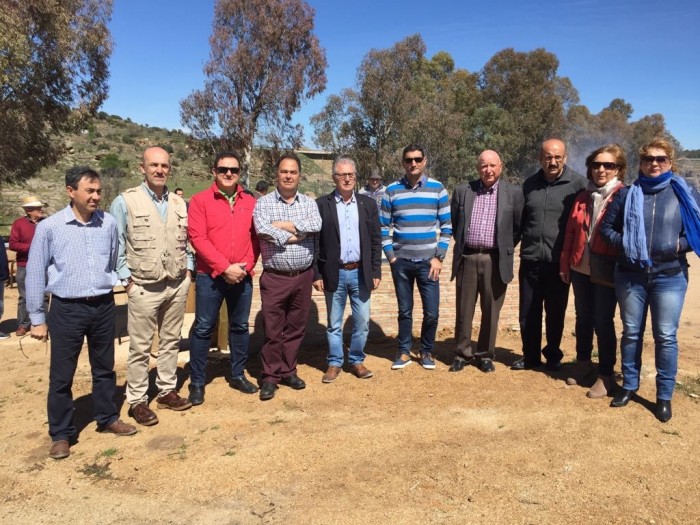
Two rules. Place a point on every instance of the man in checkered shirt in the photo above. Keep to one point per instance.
(286, 222)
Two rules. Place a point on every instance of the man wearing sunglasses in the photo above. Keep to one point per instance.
(155, 268)
(222, 234)
(417, 207)
(548, 196)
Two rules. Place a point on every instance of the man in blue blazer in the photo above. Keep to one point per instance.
(486, 227)
(347, 264)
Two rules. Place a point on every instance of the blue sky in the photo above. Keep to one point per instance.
(642, 51)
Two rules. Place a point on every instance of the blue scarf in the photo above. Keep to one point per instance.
(634, 241)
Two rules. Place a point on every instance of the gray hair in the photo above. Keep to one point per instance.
(344, 160)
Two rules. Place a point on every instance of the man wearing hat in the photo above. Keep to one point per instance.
(21, 235)
(374, 188)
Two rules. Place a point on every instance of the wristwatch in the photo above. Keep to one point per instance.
(125, 282)
(440, 258)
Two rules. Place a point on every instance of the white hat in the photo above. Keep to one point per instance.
(32, 201)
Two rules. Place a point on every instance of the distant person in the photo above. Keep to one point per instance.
(180, 192)
(287, 223)
(595, 301)
(654, 223)
(261, 189)
(374, 188)
(486, 217)
(548, 197)
(226, 246)
(21, 235)
(74, 257)
(348, 264)
(4, 276)
(417, 207)
(155, 268)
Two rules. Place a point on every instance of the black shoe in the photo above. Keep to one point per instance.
(294, 382)
(622, 398)
(196, 396)
(520, 364)
(267, 391)
(243, 385)
(663, 410)
(553, 366)
(486, 365)
(458, 365)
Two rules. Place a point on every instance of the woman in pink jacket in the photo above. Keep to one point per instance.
(584, 261)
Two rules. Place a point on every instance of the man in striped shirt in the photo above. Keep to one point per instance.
(417, 208)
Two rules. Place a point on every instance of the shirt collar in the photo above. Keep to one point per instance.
(484, 190)
(69, 216)
(419, 184)
(279, 198)
(153, 195)
(339, 198)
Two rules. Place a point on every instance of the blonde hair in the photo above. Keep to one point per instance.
(660, 143)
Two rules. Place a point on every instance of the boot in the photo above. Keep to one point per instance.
(579, 372)
(603, 386)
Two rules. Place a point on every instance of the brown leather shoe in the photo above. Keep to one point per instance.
(143, 415)
(119, 428)
(331, 374)
(21, 330)
(59, 449)
(360, 371)
(174, 402)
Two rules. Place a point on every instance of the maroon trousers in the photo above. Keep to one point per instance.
(286, 302)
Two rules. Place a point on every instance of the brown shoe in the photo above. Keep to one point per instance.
(361, 371)
(21, 330)
(579, 371)
(331, 374)
(603, 387)
(143, 415)
(174, 402)
(119, 428)
(59, 449)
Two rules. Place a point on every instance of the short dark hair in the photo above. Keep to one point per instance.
(178, 189)
(262, 186)
(286, 156)
(77, 173)
(227, 155)
(413, 147)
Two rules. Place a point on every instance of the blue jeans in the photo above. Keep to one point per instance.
(348, 287)
(595, 312)
(664, 295)
(210, 293)
(405, 273)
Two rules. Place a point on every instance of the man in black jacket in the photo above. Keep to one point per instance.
(548, 197)
(347, 263)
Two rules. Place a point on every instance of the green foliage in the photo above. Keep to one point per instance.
(112, 160)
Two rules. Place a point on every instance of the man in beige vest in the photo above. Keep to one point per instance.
(155, 267)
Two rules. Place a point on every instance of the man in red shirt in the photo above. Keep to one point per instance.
(21, 235)
(220, 227)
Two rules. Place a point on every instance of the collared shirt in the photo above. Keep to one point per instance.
(349, 226)
(118, 210)
(276, 253)
(482, 225)
(71, 259)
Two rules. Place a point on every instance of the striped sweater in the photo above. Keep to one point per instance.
(415, 213)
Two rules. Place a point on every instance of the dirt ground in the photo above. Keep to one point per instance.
(409, 446)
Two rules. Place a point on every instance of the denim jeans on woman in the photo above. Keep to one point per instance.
(663, 295)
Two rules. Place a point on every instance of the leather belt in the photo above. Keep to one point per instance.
(350, 266)
(293, 273)
(92, 299)
(468, 250)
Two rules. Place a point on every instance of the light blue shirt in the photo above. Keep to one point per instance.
(118, 210)
(71, 259)
(349, 226)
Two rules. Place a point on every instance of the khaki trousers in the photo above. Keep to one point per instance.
(161, 307)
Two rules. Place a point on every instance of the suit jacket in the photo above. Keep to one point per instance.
(508, 215)
(327, 253)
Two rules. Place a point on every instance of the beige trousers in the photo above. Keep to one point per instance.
(159, 306)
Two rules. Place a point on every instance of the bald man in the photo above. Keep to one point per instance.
(548, 197)
(155, 267)
(486, 217)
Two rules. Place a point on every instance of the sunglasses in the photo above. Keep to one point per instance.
(222, 170)
(409, 160)
(660, 159)
(606, 165)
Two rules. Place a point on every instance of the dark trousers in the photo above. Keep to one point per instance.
(595, 312)
(69, 323)
(478, 276)
(286, 302)
(540, 285)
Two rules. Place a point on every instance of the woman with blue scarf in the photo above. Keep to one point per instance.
(653, 223)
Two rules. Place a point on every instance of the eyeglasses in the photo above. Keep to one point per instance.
(556, 158)
(606, 165)
(409, 160)
(222, 170)
(660, 159)
(347, 176)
